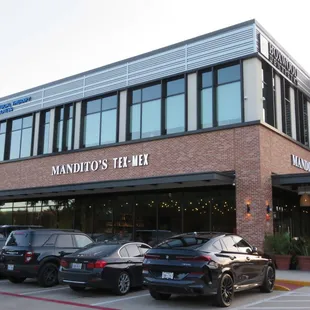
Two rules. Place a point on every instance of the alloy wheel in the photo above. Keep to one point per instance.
(227, 290)
(270, 278)
(124, 283)
(50, 275)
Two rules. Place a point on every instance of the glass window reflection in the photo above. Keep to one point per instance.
(135, 121)
(91, 129)
(26, 142)
(207, 108)
(175, 114)
(229, 103)
(228, 74)
(15, 144)
(2, 143)
(100, 121)
(108, 128)
(151, 115)
(175, 87)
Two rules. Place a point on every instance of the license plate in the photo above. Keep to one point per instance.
(10, 267)
(76, 266)
(167, 275)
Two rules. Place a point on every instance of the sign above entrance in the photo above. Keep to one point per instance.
(102, 164)
(300, 163)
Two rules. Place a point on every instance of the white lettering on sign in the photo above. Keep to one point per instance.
(300, 163)
(97, 165)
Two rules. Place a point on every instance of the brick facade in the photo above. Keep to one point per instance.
(253, 152)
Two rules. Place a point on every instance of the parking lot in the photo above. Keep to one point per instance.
(29, 295)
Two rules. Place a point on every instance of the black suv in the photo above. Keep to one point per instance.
(36, 253)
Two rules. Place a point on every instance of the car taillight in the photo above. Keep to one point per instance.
(201, 258)
(97, 264)
(28, 257)
(151, 256)
(64, 263)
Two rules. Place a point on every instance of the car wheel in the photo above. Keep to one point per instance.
(269, 280)
(123, 284)
(77, 288)
(16, 280)
(225, 291)
(48, 275)
(159, 296)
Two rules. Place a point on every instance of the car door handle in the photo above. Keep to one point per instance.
(129, 261)
(232, 257)
(248, 258)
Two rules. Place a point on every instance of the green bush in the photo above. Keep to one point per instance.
(279, 244)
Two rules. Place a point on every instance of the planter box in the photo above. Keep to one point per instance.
(283, 261)
(304, 263)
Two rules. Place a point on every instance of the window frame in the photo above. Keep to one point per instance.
(65, 120)
(84, 114)
(215, 84)
(8, 139)
(42, 125)
(130, 104)
(4, 140)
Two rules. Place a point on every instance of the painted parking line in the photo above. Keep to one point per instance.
(68, 303)
(45, 291)
(119, 299)
(256, 303)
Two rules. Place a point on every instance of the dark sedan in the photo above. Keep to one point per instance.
(206, 263)
(109, 265)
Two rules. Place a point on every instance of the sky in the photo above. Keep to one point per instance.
(45, 40)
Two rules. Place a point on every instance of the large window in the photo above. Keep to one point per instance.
(64, 128)
(2, 139)
(145, 112)
(228, 94)
(100, 121)
(175, 106)
(21, 137)
(206, 100)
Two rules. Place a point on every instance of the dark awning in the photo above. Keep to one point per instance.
(153, 183)
(298, 179)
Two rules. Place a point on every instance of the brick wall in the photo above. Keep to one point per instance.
(253, 152)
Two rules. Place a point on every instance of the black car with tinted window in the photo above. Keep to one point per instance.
(35, 253)
(115, 265)
(206, 263)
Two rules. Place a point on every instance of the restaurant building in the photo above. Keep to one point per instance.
(209, 134)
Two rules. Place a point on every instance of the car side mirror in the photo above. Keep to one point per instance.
(254, 249)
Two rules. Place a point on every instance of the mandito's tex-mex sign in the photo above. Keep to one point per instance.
(139, 160)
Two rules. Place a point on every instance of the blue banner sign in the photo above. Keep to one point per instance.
(9, 107)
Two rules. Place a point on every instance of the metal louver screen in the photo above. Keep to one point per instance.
(288, 125)
(305, 122)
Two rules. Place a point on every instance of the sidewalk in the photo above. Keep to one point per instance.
(287, 280)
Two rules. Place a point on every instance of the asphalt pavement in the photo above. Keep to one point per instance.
(28, 296)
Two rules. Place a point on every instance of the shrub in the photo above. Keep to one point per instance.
(279, 244)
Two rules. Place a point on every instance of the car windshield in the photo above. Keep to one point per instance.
(18, 238)
(99, 250)
(183, 242)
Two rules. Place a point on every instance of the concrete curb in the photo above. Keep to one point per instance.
(293, 282)
(280, 288)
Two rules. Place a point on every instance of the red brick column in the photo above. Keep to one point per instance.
(253, 186)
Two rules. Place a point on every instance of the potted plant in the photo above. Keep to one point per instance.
(301, 248)
(279, 246)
